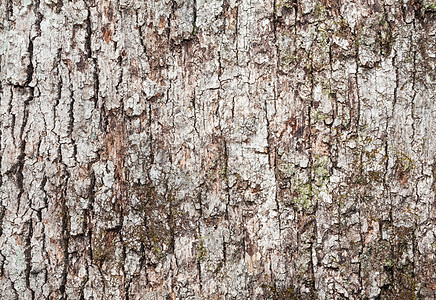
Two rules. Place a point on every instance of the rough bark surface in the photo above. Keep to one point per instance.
(217, 149)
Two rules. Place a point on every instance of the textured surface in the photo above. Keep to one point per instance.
(225, 149)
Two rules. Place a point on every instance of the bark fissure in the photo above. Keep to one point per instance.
(269, 150)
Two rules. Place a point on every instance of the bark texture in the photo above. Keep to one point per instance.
(174, 149)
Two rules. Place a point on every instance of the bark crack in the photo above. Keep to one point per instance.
(28, 257)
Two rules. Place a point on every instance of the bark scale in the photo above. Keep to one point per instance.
(232, 149)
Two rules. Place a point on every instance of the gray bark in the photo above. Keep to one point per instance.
(227, 149)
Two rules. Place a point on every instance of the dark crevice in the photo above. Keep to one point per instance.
(127, 290)
(119, 82)
(224, 251)
(30, 68)
(150, 137)
(194, 108)
(224, 11)
(71, 121)
(415, 249)
(59, 5)
(60, 84)
(42, 188)
(2, 215)
(200, 281)
(194, 19)
(39, 17)
(268, 134)
(219, 71)
(88, 213)
(170, 16)
(9, 9)
(88, 36)
(310, 167)
(171, 222)
(236, 35)
(141, 35)
(272, 151)
(28, 256)
(65, 241)
(226, 178)
(88, 48)
(96, 84)
(2, 264)
(244, 237)
(14, 290)
(21, 157)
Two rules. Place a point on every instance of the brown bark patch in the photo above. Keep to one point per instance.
(333, 5)
(81, 64)
(107, 33)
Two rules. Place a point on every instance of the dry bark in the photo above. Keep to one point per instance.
(229, 149)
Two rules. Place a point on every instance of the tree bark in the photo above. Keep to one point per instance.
(233, 149)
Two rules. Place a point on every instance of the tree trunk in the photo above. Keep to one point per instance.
(236, 149)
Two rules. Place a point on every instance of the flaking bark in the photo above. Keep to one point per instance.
(203, 149)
